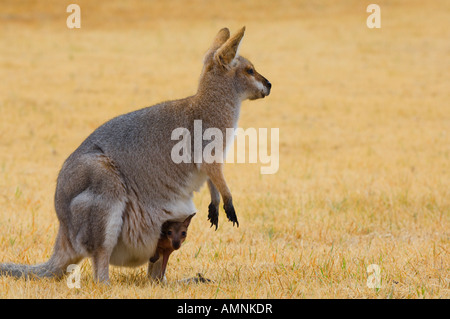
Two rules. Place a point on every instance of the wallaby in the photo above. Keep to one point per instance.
(115, 191)
(173, 234)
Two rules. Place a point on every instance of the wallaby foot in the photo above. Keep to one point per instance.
(101, 266)
(231, 214)
(154, 271)
(213, 215)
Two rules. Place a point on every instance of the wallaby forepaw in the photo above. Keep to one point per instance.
(213, 215)
(231, 213)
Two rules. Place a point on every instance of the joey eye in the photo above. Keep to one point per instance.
(184, 234)
(169, 233)
(250, 71)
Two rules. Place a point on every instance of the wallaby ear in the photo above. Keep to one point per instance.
(187, 221)
(222, 36)
(229, 50)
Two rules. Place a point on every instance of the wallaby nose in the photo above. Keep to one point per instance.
(176, 244)
(269, 85)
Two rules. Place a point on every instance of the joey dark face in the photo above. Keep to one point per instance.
(176, 233)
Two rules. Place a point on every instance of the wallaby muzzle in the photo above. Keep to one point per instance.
(176, 244)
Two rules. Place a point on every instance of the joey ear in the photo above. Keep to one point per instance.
(187, 221)
(229, 50)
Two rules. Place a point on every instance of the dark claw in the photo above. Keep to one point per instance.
(213, 215)
(231, 213)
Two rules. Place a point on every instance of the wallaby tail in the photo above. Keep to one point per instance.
(28, 271)
(55, 267)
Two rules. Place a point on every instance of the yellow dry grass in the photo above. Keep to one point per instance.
(364, 118)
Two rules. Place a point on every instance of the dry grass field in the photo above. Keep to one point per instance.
(364, 120)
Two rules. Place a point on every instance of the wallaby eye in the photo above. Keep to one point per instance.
(250, 71)
(184, 234)
(169, 233)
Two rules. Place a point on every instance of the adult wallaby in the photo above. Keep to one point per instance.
(173, 234)
(120, 185)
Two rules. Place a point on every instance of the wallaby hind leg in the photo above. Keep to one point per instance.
(63, 256)
(157, 269)
(96, 213)
(99, 223)
(100, 262)
(166, 255)
(154, 270)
